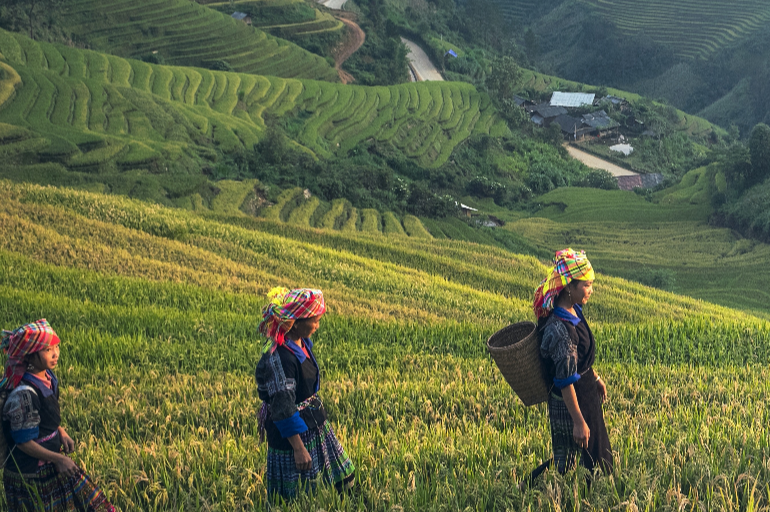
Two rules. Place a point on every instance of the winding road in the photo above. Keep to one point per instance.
(423, 69)
(595, 162)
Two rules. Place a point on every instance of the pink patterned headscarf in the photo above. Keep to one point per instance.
(285, 307)
(18, 344)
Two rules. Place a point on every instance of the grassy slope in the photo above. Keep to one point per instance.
(189, 34)
(623, 233)
(91, 109)
(157, 309)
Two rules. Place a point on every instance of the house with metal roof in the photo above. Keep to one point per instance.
(572, 99)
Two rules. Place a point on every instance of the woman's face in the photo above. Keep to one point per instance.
(46, 359)
(306, 327)
(582, 291)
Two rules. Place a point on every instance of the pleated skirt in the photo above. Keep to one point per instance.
(331, 465)
(565, 450)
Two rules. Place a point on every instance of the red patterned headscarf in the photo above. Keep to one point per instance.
(285, 307)
(568, 265)
(18, 344)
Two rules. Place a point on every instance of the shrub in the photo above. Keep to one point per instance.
(598, 178)
(661, 278)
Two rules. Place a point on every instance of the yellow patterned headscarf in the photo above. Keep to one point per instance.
(568, 265)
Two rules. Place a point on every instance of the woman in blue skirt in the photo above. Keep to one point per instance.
(301, 446)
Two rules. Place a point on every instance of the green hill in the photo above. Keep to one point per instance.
(158, 308)
(185, 33)
(706, 58)
(102, 114)
(690, 28)
(668, 239)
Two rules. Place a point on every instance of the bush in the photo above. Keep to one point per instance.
(598, 178)
(661, 278)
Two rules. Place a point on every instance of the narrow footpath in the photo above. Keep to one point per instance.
(349, 47)
(422, 68)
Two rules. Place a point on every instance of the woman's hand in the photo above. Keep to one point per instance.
(67, 443)
(302, 459)
(602, 389)
(581, 433)
(65, 466)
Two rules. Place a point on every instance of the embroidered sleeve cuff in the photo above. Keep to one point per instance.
(22, 436)
(291, 426)
(563, 383)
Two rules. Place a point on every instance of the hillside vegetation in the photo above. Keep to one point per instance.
(158, 308)
(690, 28)
(185, 33)
(100, 113)
(706, 58)
(668, 241)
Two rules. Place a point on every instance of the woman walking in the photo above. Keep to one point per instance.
(38, 477)
(301, 445)
(568, 349)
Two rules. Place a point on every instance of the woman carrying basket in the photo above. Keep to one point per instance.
(568, 349)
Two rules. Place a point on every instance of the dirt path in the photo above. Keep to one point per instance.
(421, 65)
(352, 43)
(595, 162)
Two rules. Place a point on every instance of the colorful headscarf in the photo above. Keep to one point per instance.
(568, 265)
(18, 344)
(284, 308)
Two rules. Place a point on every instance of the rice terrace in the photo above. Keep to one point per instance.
(232, 281)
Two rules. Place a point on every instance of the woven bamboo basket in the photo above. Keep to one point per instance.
(516, 351)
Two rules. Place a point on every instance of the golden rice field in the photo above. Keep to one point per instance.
(158, 308)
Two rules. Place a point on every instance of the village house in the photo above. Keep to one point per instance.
(544, 114)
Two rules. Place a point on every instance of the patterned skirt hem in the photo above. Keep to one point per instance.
(50, 491)
(331, 465)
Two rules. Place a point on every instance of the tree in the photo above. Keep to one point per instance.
(503, 78)
(736, 165)
(759, 148)
(31, 9)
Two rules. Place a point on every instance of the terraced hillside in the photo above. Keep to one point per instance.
(158, 308)
(690, 28)
(88, 109)
(283, 18)
(186, 33)
(294, 208)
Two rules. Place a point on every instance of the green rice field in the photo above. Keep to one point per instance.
(189, 34)
(157, 309)
(89, 110)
